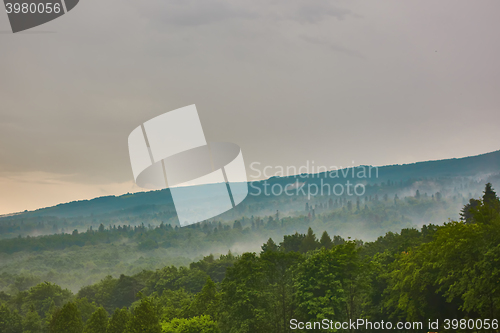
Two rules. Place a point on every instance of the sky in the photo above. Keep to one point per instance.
(290, 81)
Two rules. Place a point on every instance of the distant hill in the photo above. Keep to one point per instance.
(136, 204)
(456, 167)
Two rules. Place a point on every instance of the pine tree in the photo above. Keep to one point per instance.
(326, 241)
(490, 197)
(466, 214)
(98, 322)
(269, 246)
(310, 242)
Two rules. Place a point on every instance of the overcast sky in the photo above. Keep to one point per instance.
(290, 81)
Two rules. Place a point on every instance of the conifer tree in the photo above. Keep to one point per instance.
(310, 242)
(269, 246)
(490, 197)
(326, 241)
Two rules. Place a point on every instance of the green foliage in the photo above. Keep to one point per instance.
(119, 321)
(66, 320)
(245, 298)
(32, 323)
(23, 283)
(145, 318)
(456, 273)
(149, 242)
(125, 291)
(330, 284)
(216, 269)
(113, 293)
(175, 304)
(310, 242)
(437, 272)
(98, 322)
(86, 308)
(202, 324)
(490, 197)
(467, 213)
(269, 246)
(280, 268)
(10, 321)
(206, 302)
(292, 243)
(326, 241)
(44, 296)
(100, 293)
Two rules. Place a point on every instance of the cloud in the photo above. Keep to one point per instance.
(205, 12)
(194, 12)
(315, 11)
(332, 46)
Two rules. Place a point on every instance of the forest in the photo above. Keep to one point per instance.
(75, 258)
(453, 180)
(448, 274)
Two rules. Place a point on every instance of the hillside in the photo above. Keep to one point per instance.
(458, 179)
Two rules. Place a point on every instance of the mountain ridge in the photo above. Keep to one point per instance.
(135, 203)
